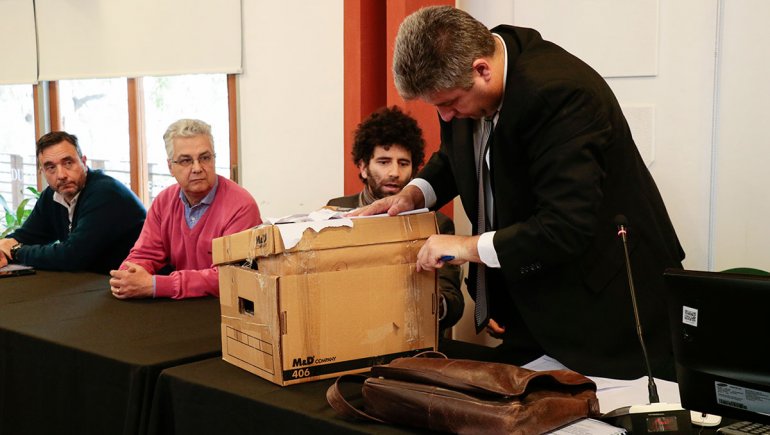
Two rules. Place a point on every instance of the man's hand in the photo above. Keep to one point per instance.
(6, 245)
(408, 199)
(462, 248)
(5, 250)
(132, 282)
(494, 329)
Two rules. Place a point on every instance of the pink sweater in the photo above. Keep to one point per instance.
(166, 239)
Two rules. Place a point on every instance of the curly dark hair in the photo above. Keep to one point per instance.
(388, 126)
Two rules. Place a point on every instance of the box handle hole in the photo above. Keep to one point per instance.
(246, 306)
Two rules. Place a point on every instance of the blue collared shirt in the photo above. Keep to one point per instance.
(192, 214)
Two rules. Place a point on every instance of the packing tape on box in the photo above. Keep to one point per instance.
(413, 317)
(406, 227)
(251, 260)
(229, 303)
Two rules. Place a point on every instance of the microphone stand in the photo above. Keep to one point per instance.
(651, 387)
(655, 416)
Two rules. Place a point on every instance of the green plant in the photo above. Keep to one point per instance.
(15, 218)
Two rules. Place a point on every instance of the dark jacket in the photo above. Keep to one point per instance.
(563, 164)
(107, 220)
(449, 276)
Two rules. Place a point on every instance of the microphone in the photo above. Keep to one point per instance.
(655, 416)
(652, 389)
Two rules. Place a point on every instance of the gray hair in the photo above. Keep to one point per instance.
(185, 128)
(435, 49)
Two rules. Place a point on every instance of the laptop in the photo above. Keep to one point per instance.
(720, 328)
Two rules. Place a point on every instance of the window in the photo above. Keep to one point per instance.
(119, 124)
(17, 144)
(167, 99)
(96, 111)
(103, 113)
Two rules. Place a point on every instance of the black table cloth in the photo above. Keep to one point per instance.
(216, 397)
(73, 359)
(43, 284)
(213, 396)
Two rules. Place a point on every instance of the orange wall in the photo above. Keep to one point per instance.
(370, 31)
(365, 72)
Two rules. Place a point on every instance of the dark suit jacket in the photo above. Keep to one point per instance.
(563, 165)
(448, 276)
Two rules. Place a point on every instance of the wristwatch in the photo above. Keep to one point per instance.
(14, 250)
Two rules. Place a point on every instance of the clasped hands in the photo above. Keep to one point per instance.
(132, 282)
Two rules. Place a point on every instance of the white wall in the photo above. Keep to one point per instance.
(291, 104)
(682, 96)
(742, 171)
(698, 119)
(666, 91)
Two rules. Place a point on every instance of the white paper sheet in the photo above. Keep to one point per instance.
(293, 226)
(616, 393)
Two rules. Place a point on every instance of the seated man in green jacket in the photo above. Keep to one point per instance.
(388, 149)
(83, 221)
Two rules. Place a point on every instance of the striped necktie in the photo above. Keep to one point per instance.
(481, 312)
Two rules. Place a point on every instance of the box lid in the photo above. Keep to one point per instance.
(266, 240)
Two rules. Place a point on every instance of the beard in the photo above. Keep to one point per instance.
(383, 188)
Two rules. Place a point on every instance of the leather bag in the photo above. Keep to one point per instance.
(465, 396)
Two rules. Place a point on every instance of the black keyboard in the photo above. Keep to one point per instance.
(744, 427)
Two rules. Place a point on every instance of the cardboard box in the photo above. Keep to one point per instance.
(340, 301)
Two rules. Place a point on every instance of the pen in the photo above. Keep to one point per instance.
(445, 258)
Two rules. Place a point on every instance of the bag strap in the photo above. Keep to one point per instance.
(430, 354)
(341, 405)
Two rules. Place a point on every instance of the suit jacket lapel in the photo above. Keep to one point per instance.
(464, 156)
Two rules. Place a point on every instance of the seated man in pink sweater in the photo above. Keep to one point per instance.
(183, 220)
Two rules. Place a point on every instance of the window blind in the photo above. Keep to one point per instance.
(18, 52)
(129, 38)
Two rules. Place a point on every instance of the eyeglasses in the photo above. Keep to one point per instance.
(205, 159)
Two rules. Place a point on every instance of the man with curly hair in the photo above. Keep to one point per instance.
(388, 149)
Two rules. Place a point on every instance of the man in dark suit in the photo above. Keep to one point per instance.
(388, 149)
(559, 165)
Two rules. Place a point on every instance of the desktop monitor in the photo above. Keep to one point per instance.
(720, 327)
